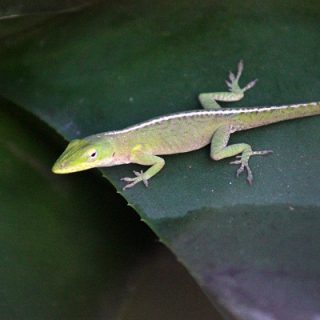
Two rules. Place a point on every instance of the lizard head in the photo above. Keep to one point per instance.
(84, 154)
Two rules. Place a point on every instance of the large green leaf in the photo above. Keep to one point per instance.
(254, 249)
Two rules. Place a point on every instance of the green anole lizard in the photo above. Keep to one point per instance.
(181, 132)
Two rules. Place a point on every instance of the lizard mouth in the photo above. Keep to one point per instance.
(64, 168)
(59, 169)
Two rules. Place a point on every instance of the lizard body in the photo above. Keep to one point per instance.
(179, 133)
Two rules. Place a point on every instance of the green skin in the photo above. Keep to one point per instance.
(180, 132)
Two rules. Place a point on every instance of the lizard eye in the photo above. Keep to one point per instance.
(93, 154)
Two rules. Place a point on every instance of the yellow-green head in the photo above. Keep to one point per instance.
(84, 154)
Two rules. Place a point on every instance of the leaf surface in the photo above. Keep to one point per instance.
(255, 250)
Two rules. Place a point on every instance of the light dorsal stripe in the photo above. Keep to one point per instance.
(220, 112)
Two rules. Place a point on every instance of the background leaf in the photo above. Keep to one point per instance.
(254, 250)
(18, 15)
(16, 8)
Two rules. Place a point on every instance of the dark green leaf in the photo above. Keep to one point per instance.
(18, 15)
(16, 8)
(254, 249)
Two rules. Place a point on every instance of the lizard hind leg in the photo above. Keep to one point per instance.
(243, 151)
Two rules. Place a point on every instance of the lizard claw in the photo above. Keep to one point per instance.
(240, 70)
(229, 84)
(232, 77)
(261, 153)
(244, 166)
(250, 85)
(233, 82)
(139, 176)
(243, 159)
(249, 172)
(235, 162)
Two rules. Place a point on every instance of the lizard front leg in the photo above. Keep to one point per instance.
(243, 151)
(209, 100)
(141, 155)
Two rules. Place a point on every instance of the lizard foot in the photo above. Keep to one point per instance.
(243, 161)
(133, 181)
(233, 82)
